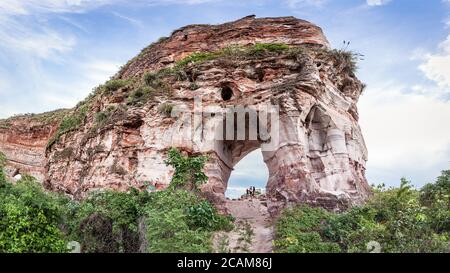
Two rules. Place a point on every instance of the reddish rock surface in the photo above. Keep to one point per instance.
(23, 140)
(200, 38)
(320, 154)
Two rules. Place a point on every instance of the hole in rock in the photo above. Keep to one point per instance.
(249, 171)
(227, 93)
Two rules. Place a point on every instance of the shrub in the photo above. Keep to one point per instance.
(168, 232)
(260, 48)
(204, 216)
(100, 117)
(108, 221)
(2, 173)
(393, 217)
(140, 96)
(197, 57)
(345, 59)
(298, 231)
(69, 123)
(30, 219)
(188, 170)
(165, 109)
(178, 221)
(114, 85)
(436, 200)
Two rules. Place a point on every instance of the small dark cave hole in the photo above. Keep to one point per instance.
(227, 93)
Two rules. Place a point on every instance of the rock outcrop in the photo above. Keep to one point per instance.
(119, 136)
(23, 139)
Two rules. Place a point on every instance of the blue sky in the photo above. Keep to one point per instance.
(53, 52)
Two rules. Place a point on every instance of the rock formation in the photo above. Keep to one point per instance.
(118, 137)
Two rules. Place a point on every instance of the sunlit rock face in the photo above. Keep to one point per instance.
(23, 141)
(314, 150)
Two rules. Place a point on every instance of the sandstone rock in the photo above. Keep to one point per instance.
(315, 151)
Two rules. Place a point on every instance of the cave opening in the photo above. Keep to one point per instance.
(226, 93)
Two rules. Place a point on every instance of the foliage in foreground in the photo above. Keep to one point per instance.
(30, 219)
(173, 220)
(188, 170)
(399, 219)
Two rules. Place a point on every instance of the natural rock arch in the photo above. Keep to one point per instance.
(319, 157)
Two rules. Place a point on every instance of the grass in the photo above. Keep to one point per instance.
(165, 108)
(69, 123)
(261, 48)
(246, 234)
(101, 118)
(43, 118)
(346, 60)
(198, 57)
(140, 96)
(223, 244)
(114, 85)
(233, 50)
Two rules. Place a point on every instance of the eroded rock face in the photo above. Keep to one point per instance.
(23, 140)
(319, 156)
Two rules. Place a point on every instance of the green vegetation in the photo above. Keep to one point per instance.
(42, 118)
(176, 223)
(347, 60)
(2, 173)
(255, 50)
(399, 219)
(165, 108)
(102, 118)
(188, 170)
(114, 85)
(246, 234)
(172, 220)
(70, 123)
(204, 215)
(155, 80)
(140, 96)
(180, 220)
(198, 57)
(30, 218)
(260, 48)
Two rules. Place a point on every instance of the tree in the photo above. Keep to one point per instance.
(30, 218)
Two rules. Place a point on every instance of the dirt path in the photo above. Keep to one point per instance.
(253, 232)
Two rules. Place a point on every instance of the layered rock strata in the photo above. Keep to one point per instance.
(313, 148)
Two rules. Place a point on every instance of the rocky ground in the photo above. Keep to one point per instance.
(253, 232)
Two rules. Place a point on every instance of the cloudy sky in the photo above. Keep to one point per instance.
(53, 52)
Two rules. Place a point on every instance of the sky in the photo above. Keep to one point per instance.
(54, 52)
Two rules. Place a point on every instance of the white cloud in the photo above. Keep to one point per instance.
(404, 131)
(22, 22)
(22, 7)
(377, 2)
(99, 71)
(130, 20)
(305, 3)
(27, 7)
(41, 42)
(43, 91)
(436, 67)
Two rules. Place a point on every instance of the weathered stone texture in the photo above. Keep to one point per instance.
(320, 158)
